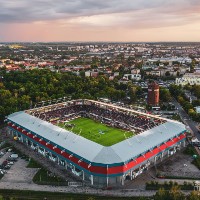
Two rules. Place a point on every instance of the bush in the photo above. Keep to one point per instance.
(33, 164)
(44, 177)
(167, 186)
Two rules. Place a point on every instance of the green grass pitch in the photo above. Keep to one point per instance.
(96, 131)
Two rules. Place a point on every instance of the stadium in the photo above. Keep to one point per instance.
(101, 143)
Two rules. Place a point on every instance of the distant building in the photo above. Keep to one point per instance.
(189, 78)
(1, 64)
(197, 109)
(91, 73)
(135, 77)
(153, 94)
(135, 71)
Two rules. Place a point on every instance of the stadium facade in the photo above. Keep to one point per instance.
(92, 162)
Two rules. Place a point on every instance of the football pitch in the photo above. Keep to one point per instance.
(96, 131)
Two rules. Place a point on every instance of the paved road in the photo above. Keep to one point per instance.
(186, 119)
(80, 190)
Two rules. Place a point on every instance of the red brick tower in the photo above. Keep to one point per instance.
(153, 94)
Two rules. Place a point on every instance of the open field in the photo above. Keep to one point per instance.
(96, 131)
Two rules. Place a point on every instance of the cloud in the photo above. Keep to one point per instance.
(103, 18)
(43, 10)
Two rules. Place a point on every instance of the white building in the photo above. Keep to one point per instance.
(191, 79)
(135, 77)
(197, 109)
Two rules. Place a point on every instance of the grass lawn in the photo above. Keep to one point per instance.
(44, 177)
(33, 164)
(96, 131)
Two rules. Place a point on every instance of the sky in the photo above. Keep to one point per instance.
(99, 20)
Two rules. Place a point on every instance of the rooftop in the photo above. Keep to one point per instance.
(93, 152)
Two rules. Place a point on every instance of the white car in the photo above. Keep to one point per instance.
(10, 163)
(2, 171)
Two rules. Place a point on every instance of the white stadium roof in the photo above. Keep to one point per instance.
(93, 152)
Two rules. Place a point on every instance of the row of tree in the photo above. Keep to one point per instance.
(178, 93)
(175, 194)
(21, 90)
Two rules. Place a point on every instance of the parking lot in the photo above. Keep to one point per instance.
(176, 166)
(17, 173)
(179, 165)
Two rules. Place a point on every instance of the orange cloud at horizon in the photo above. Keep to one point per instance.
(91, 20)
(46, 32)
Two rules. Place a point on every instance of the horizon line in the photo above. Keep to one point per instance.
(99, 42)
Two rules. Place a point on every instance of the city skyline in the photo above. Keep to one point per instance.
(88, 20)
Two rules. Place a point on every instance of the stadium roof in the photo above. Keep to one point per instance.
(93, 152)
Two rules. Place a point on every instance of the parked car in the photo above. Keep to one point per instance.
(12, 159)
(7, 167)
(14, 155)
(2, 171)
(10, 163)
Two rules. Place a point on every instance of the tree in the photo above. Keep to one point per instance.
(176, 90)
(165, 95)
(194, 195)
(162, 194)
(175, 193)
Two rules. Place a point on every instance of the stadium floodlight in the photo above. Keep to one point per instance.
(70, 155)
(28, 133)
(13, 125)
(159, 148)
(166, 144)
(151, 151)
(40, 139)
(23, 130)
(55, 147)
(89, 165)
(62, 151)
(144, 155)
(48, 143)
(80, 160)
(34, 136)
(18, 127)
(125, 164)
